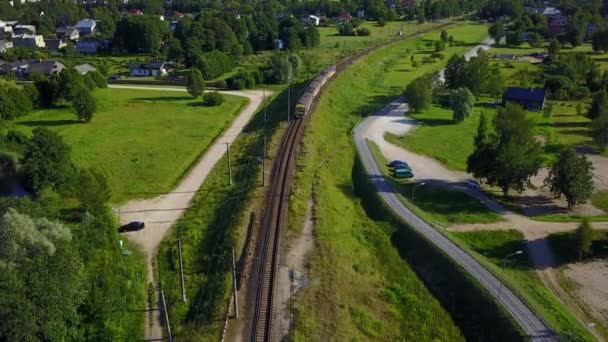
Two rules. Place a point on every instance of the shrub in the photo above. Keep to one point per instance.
(16, 137)
(213, 98)
(222, 84)
(8, 166)
(364, 31)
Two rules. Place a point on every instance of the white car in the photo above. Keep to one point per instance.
(473, 184)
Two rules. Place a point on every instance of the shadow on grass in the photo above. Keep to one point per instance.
(48, 123)
(572, 124)
(563, 246)
(163, 98)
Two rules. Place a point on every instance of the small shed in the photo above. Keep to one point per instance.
(529, 98)
(85, 68)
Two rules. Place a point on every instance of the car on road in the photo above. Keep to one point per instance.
(132, 227)
(402, 172)
(398, 163)
(115, 77)
(473, 184)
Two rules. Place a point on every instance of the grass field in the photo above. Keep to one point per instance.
(143, 141)
(600, 199)
(491, 248)
(359, 281)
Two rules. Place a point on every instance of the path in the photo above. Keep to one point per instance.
(392, 120)
(161, 212)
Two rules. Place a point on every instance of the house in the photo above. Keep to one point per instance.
(30, 41)
(86, 27)
(87, 45)
(135, 11)
(310, 20)
(529, 98)
(505, 56)
(5, 28)
(557, 25)
(360, 13)
(55, 43)
(343, 17)
(546, 11)
(67, 33)
(24, 29)
(152, 68)
(5, 45)
(85, 68)
(23, 69)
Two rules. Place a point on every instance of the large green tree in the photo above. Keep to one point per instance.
(497, 31)
(419, 93)
(511, 155)
(84, 104)
(599, 130)
(572, 176)
(583, 238)
(46, 160)
(599, 104)
(462, 102)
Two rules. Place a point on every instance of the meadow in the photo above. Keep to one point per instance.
(142, 141)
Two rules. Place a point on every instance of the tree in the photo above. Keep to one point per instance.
(213, 98)
(572, 176)
(444, 36)
(554, 47)
(97, 77)
(455, 72)
(419, 93)
(84, 104)
(515, 37)
(462, 102)
(41, 270)
(599, 104)
(439, 45)
(583, 238)
(510, 156)
(496, 83)
(92, 191)
(46, 160)
(196, 84)
(497, 31)
(70, 83)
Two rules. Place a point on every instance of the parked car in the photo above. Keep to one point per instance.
(115, 77)
(132, 227)
(473, 184)
(398, 163)
(402, 173)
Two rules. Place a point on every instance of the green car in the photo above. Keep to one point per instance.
(403, 173)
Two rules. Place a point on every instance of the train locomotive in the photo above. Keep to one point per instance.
(311, 91)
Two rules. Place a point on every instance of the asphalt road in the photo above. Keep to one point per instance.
(528, 320)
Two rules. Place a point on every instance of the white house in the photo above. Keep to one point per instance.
(30, 41)
(152, 68)
(311, 20)
(21, 29)
(86, 27)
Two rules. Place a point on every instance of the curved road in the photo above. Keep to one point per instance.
(160, 213)
(530, 323)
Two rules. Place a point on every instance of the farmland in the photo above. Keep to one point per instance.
(142, 141)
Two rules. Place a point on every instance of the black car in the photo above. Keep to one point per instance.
(132, 226)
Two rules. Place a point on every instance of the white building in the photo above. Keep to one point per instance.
(311, 20)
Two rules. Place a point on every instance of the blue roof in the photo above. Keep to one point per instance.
(525, 94)
(86, 24)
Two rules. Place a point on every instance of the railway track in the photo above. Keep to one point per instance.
(273, 221)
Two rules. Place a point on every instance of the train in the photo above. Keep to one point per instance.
(311, 91)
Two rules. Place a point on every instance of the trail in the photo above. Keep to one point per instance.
(160, 213)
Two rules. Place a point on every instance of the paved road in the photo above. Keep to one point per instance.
(531, 324)
(161, 212)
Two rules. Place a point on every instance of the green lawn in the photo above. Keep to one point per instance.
(491, 247)
(600, 199)
(142, 140)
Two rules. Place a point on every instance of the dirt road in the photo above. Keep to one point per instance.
(161, 212)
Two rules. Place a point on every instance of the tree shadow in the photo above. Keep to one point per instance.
(48, 123)
(583, 132)
(198, 104)
(434, 122)
(571, 124)
(163, 98)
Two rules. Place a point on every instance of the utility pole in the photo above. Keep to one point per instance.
(235, 293)
(162, 296)
(264, 96)
(229, 165)
(181, 267)
(264, 163)
(288, 100)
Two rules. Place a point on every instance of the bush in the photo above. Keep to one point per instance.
(16, 137)
(98, 78)
(438, 55)
(236, 84)
(8, 166)
(213, 98)
(364, 31)
(222, 84)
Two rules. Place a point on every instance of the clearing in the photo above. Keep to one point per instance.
(143, 141)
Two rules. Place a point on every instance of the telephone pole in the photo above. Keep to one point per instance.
(229, 165)
(264, 163)
(235, 293)
(288, 100)
(181, 267)
(264, 96)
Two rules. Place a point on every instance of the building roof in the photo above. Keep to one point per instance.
(525, 94)
(84, 68)
(42, 66)
(53, 43)
(155, 65)
(86, 24)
